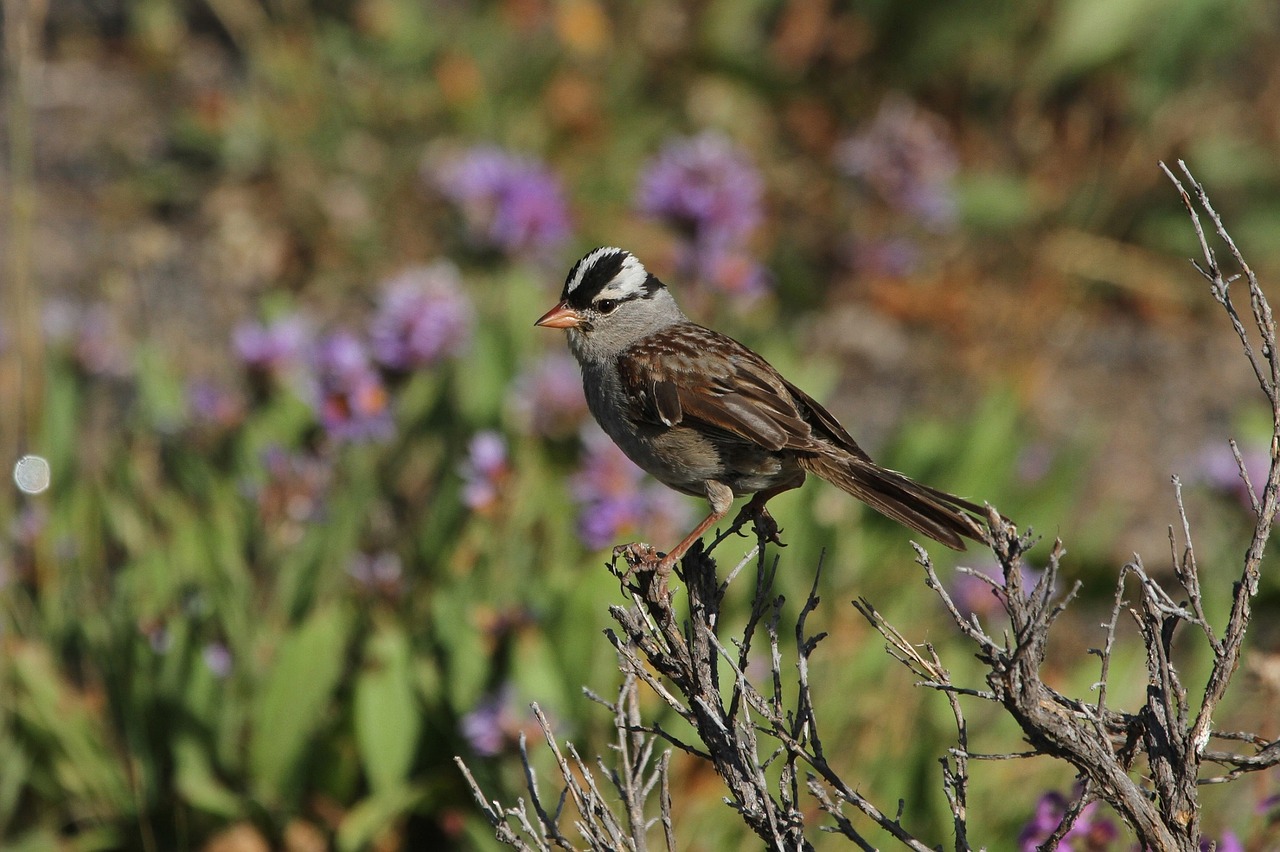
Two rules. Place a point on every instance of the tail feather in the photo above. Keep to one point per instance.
(943, 517)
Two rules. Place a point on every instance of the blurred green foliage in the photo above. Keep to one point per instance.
(187, 649)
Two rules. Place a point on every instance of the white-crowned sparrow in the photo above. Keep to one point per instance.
(707, 416)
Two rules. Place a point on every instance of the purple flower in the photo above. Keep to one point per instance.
(211, 404)
(1090, 831)
(547, 400)
(1216, 467)
(347, 392)
(614, 498)
(706, 187)
(423, 317)
(295, 488)
(1268, 804)
(905, 157)
(217, 657)
(490, 726)
(276, 348)
(509, 202)
(974, 596)
(1230, 842)
(379, 573)
(708, 190)
(100, 348)
(93, 334)
(485, 471)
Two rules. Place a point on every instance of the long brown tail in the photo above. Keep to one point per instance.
(941, 516)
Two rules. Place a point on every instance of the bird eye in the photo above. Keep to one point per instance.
(606, 306)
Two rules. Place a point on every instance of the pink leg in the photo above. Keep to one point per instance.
(669, 561)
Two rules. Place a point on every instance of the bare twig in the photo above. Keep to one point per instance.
(759, 742)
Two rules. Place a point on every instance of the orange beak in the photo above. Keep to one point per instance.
(561, 316)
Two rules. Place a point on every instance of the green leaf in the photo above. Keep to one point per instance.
(388, 719)
(363, 822)
(293, 704)
(16, 765)
(196, 781)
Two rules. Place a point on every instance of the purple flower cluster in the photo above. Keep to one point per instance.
(614, 498)
(484, 472)
(93, 335)
(276, 349)
(906, 158)
(708, 190)
(509, 202)
(547, 400)
(1092, 830)
(347, 392)
(423, 317)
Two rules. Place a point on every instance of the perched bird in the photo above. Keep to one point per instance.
(707, 416)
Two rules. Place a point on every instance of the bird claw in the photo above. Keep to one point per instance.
(643, 558)
(647, 570)
(762, 523)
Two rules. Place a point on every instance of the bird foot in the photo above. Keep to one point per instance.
(643, 558)
(766, 528)
(648, 568)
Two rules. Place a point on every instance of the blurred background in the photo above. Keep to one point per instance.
(327, 511)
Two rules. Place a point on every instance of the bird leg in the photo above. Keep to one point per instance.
(668, 562)
(643, 559)
(765, 526)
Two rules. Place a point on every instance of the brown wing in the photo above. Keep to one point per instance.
(734, 390)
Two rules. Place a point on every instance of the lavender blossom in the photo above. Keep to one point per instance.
(423, 317)
(706, 187)
(91, 333)
(904, 155)
(614, 499)
(1230, 842)
(378, 573)
(347, 392)
(547, 400)
(974, 596)
(490, 726)
(708, 190)
(485, 471)
(217, 657)
(510, 203)
(295, 490)
(1091, 831)
(1216, 467)
(211, 404)
(275, 348)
